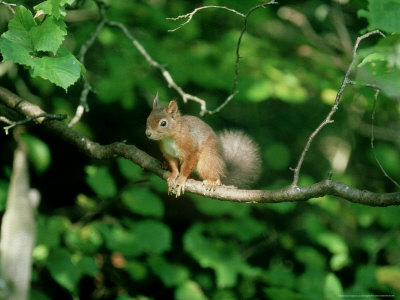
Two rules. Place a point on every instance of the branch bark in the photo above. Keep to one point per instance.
(225, 193)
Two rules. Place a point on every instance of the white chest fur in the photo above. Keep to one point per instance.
(170, 147)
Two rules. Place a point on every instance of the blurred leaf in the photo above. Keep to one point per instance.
(310, 257)
(277, 156)
(365, 276)
(143, 202)
(38, 152)
(130, 170)
(389, 275)
(310, 283)
(3, 194)
(282, 293)
(62, 269)
(101, 181)
(158, 184)
(136, 270)
(215, 208)
(154, 237)
(170, 274)
(49, 230)
(245, 229)
(37, 295)
(189, 290)
(333, 288)
(86, 265)
(278, 275)
(86, 239)
(223, 257)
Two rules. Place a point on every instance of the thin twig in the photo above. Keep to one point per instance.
(334, 108)
(372, 142)
(190, 15)
(83, 104)
(12, 124)
(238, 57)
(167, 76)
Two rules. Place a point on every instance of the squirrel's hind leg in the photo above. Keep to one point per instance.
(211, 165)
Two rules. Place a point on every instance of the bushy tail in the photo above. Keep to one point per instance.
(242, 157)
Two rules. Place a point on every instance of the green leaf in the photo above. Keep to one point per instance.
(383, 15)
(282, 293)
(3, 194)
(154, 237)
(49, 35)
(170, 274)
(214, 208)
(136, 270)
(55, 8)
(87, 265)
(388, 275)
(15, 53)
(189, 290)
(19, 28)
(143, 202)
(101, 181)
(38, 152)
(130, 170)
(277, 156)
(63, 70)
(63, 270)
(219, 255)
(333, 288)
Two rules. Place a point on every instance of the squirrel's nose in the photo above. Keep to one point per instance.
(148, 133)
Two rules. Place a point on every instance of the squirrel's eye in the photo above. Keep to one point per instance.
(163, 123)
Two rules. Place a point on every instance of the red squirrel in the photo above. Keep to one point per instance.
(189, 144)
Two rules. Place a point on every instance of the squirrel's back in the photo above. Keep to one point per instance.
(242, 158)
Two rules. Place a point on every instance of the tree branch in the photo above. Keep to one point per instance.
(225, 193)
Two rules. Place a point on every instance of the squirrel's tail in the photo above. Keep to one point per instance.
(242, 157)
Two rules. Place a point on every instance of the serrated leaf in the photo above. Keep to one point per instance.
(15, 53)
(383, 15)
(19, 28)
(55, 8)
(63, 70)
(49, 35)
(143, 202)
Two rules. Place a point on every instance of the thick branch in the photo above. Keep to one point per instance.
(290, 194)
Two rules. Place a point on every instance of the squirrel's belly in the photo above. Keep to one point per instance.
(170, 147)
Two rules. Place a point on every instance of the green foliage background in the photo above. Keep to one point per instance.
(108, 230)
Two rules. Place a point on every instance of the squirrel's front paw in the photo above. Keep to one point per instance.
(171, 181)
(179, 188)
(210, 185)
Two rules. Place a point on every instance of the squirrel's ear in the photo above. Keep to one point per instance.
(156, 101)
(172, 109)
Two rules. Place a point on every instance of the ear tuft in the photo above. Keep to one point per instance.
(156, 101)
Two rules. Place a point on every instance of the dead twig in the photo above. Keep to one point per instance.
(328, 118)
(372, 142)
